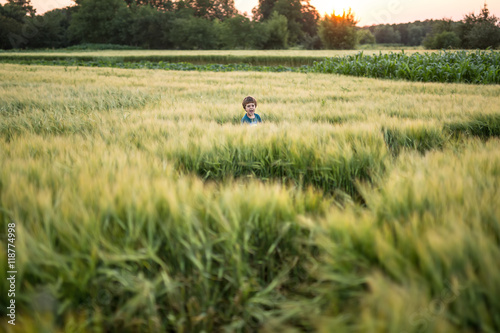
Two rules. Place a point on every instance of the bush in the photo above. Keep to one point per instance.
(443, 40)
(236, 33)
(416, 35)
(364, 36)
(276, 31)
(482, 36)
(338, 32)
(481, 31)
(387, 35)
(150, 28)
(444, 34)
(312, 42)
(193, 33)
(52, 29)
(11, 23)
(101, 22)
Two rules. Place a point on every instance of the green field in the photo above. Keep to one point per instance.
(252, 57)
(461, 66)
(142, 205)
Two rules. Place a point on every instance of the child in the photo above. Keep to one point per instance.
(252, 118)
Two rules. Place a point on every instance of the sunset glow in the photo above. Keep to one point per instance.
(367, 12)
(327, 6)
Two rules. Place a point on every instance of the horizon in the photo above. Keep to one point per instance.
(366, 12)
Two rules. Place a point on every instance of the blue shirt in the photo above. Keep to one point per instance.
(255, 120)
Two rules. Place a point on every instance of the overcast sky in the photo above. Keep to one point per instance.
(367, 11)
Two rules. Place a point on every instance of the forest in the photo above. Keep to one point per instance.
(217, 24)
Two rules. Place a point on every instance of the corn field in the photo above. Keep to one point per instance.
(479, 67)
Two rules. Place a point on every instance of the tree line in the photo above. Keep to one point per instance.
(216, 24)
(475, 31)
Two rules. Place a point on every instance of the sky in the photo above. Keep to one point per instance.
(367, 12)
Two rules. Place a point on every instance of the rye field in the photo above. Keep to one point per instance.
(137, 202)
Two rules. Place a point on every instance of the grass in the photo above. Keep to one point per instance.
(198, 57)
(141, 203)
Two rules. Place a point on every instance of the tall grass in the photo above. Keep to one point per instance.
(329, 160)
(420, 136)
(481, 125)
(422, 258)
(149, 250)
(141, 203)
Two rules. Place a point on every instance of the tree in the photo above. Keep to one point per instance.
(444, 34)
(309, 18)
(8, 25)
(276, 32)
(193, 33)
(447, 40)
(416, 35)
(212, 9)
(101, 21)
(411, 34)
(309, 22)
(263, 10)
(364, 36)
(387, 34)
(25, 5)
(443, 40)
(480, 31)
(302, 17)
(292, 10)
(237, 32)
(162, 5)
(53, 29)
(338, 31)
(150, 27)
(13, 30)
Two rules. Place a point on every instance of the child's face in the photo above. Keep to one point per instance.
(250, 109)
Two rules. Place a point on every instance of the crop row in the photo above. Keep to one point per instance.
(197, 59)
(480, 67)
